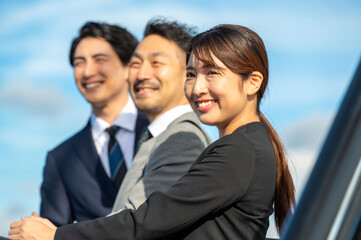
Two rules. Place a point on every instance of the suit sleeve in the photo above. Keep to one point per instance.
(55, 204)
(217, 180)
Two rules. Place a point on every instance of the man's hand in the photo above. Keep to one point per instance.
(33, 227)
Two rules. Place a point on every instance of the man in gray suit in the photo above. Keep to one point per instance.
(156, 76)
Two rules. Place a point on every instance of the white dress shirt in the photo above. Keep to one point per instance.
(125, 136)
(162, 122)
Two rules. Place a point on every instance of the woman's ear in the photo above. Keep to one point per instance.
(254, 83)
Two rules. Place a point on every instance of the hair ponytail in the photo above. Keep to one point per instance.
(284, 193)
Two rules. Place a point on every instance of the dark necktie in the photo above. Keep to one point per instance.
(117, 165)
(146, 135)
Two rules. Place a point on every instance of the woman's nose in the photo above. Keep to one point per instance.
(200, 86)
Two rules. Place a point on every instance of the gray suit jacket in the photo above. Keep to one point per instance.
(161, 161)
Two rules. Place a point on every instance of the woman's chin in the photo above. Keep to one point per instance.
(207, 121)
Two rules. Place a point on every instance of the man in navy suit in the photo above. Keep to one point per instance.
(79, 182)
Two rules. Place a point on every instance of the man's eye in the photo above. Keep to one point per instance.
(100, 59)
(156, 63)
(190, 75)
(134, 64)
(77, 63)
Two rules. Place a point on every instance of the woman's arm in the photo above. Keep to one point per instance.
(216, 180)
(220, 177)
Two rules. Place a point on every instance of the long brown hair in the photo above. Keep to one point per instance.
(243, 52)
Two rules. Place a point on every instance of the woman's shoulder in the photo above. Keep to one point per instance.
(256, 133)
(248, 138)
(247, 133)
(234, 142)
(251, 128)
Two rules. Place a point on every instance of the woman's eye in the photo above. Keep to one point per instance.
(212, 72)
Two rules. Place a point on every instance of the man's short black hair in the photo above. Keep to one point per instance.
(181, 34)
(122, 42)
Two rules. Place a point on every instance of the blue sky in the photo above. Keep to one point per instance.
(313, 47)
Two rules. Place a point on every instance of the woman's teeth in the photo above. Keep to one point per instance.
(204, 104)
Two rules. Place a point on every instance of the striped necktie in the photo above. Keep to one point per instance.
(117, 165)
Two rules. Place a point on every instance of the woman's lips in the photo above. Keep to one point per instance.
(205, 105)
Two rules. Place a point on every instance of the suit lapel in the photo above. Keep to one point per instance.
(88, 154)
(135, 172)
(143, 155)
(141, 123)
(141, 159)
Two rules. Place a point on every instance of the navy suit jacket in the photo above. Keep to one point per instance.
(75, 185)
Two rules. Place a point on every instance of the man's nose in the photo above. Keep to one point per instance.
(90, 69)
(145, 72)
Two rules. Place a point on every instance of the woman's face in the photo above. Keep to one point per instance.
(217, 95)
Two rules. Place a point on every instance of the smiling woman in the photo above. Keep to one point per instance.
(228, 70)
(219, 96)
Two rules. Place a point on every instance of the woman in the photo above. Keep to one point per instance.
(226, 79)
(229, 191)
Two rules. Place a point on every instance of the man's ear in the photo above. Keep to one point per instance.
(254, 83)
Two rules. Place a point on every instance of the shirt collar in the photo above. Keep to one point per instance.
(162, 122)
(126, 120)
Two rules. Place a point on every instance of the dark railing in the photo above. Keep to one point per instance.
(323, 194)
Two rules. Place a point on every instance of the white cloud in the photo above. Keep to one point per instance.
(301, 162)
(291, 31)
(37, 115)
(47, 64)
(295, 28)
(309, 30)
(292, 27)
(26, 96)
(14, 206)
(308, 132)
(303, 140)
(40, 11)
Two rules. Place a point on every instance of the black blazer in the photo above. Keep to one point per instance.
(227, 194)
(75, 185)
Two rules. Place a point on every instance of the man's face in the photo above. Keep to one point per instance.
(100, 75)
(157, 75)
